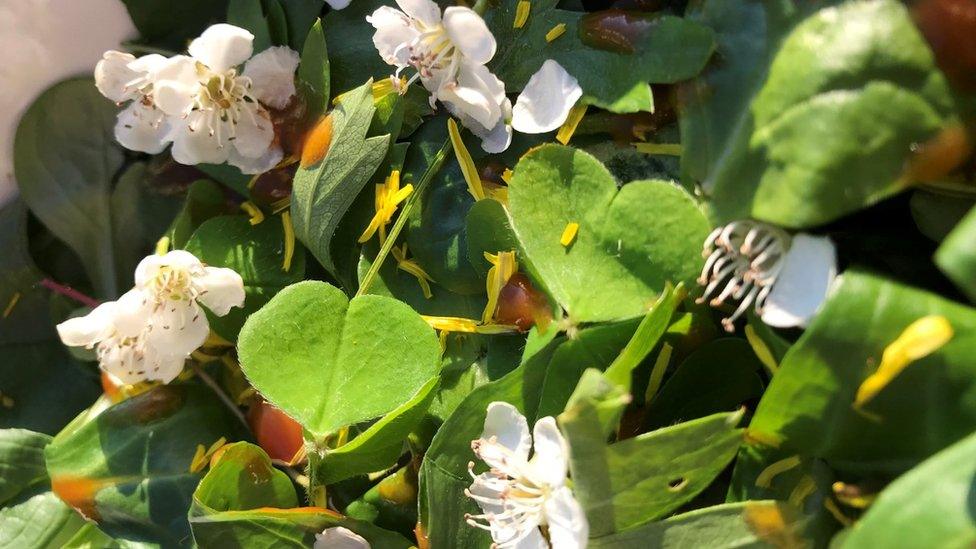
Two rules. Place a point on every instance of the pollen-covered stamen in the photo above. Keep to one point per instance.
(742, 262)
(224, 99)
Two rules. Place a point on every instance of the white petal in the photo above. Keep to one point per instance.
(147, 269)
(177, 328)
(532, 540)
(194, 144)
(338, 4)
(220, 289)
(546, 100)
(425, 11)
(809, 268)
(112, 74)
(510, 427)
(144, 128)
(222, 47)
(254, 132)
(161, 366)
(132, 312)
(176, 85)
(339, 538)
(85, 331)
(470, 34)
(261, 164)
(393, 32)
(568, 527)
(272, 74)
(149, 64)
(474, 94)
(497, 139)
(550, 457)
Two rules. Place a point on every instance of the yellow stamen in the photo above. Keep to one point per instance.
(521, 14)
(503, 266)
(11, 304)
(555, 32)
(162, 245)
(569, 234)
(202, 457)
(568, 128)
(388, 196)
(289, 240)
(255, 213)
(920, 339)
(468, 168)
(507, 175)
(670, 149)
(765, 478)
(412, 267)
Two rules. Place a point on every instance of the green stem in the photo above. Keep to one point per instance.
(391, 238)
(480, 7)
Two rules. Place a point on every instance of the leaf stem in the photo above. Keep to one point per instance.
(425, 179)
(70, 293)
(209, 381)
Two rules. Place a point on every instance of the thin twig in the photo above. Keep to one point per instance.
(220, 393)
(69, 293)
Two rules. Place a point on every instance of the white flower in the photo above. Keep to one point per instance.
(546, 100)
(338, 4)
(150, 331)
(271, 75)
(518, 495)
(784, 278)
(339, 538)
(121, 77)
(449, 54)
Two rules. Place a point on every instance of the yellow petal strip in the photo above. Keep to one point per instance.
(765, 478)
(802, 491)
(521, 13)
(507, 175)
(289, 240)
(162, 245)
(255, 213)
(761, 349)
(11, 304)
(670, 149)
(388, 196)
(569, 234)
(411, 266)
(920, 339)
(468, 168)
(555, 32)
(466, 325)
(568, 128)
(852, 495)
(503, 266)
(202, 457)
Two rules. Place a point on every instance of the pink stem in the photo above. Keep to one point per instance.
(70, 293)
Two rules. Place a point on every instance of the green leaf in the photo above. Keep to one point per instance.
(129, 466)
(330, 362)
(247, 14)
(313, 69)
(938, 494)
(848, 94)
(808, 407)
(630, 243)
(172, 23)
(729, 526)
(243, 478)
(256, 252)
(29, 320)
(379, 446)
(300, 15)
(141, 215)
(669, 50)
(352, 56)
(639, 479)
(65, 158)
(648, 333)
(957, 255)
(488, 229)
(204, 200)
(40, 521)
(324, 190)
(21, 461)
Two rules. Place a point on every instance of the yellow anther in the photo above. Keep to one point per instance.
(255, 213)
(412, 267)
(521, 13)
(289, 230)
(503, 266)
(468, 169)
(920, 339)
(555, 32)
(670, 149)
(568, 128)
(388, 196)
(765, 478)
(11, 304)
(569, 234)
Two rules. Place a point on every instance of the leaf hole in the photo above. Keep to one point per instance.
(678, 484)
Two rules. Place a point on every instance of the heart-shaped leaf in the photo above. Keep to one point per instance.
(630, 242)
(329, 362)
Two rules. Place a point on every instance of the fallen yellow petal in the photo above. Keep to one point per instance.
(503, 266)
(468, 168)
(289, 240)
(802, 491)
(255, 213)
(920, 339)
(521, 14)
(568, 128)
(765, 478)
(507, 175)
(11, 304)
(412, 267)
(569, 234)
(669, 149)
(555, 32)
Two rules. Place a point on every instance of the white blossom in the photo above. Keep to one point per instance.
(449, 53)
(338, 537)
(518, 494)
(121, 77)
(784, 278)
(546, 100)
(338, 4)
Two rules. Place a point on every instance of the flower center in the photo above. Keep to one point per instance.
(742, 262)
(171, 284)
(224, 99)
(432, 52)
